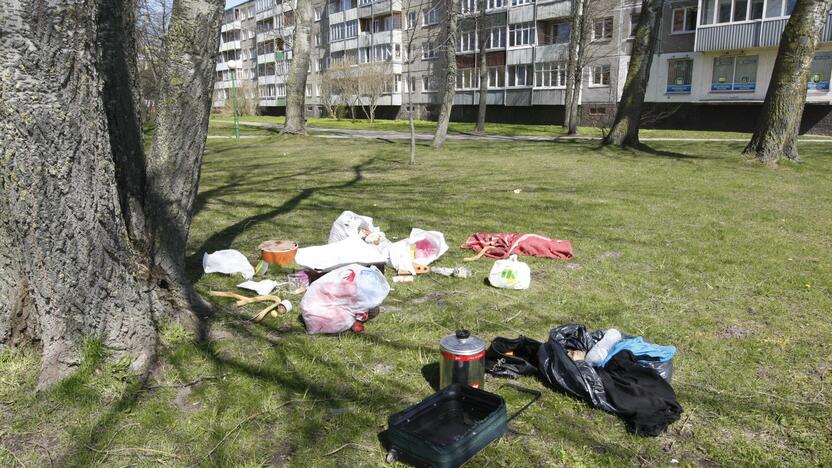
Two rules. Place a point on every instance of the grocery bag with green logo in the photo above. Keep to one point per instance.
(510, 274)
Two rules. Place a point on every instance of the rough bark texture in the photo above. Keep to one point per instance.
(173, 167)
(625, 128)
(779, 122)
(574, 69)
(483, 64)
(67, 265)
(298, 69)
(449, 88)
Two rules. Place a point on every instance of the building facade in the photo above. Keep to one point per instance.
(711, 68)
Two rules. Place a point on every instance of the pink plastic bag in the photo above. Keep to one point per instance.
(334, 302)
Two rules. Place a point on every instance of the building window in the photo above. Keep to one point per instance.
(428, 51)
(819, 73)
(602, 29)
(412, 20)
(737, 73)
(351, 29)
(597, 110)
(429, 84)
(317, 13)
(727, 11)
(633, 24)
(496, 38)
(778, 8)
(684, 20)
(679, 74)
(308, 90)
(558, 33)
(550, 75)
(468, 6)
(430, 17)
(520, 76)
(600, 75)
(467, 78)
(521, 34)
(468, 41)
(496, 4)
(521, 2)
(497, 77)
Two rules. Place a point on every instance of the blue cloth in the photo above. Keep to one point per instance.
(639, 347)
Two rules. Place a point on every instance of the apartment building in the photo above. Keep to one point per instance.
(711, 69)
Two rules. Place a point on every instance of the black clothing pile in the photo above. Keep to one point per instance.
(625, 386)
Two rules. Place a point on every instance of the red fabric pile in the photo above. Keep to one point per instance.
(499, 245)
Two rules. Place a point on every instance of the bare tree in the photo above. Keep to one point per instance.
(374, 79)
(449, 86)
(113, 266)
(152, 23)
(779, 123)
(299, 69)
(574, 69)
(409, 36)
(329, 93)
(624, 131)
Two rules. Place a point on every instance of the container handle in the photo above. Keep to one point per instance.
(535, 396)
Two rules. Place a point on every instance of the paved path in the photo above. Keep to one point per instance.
(341, 133)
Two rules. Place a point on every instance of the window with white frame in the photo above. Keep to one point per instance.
(428, 51)
(363, 55)
(600, 75)
(467, 41)
(336, 32)
(520, 76)
(412, 86)
(633, 24)
(497, 76)
(495, 4)
(467, 78)
(412, 19)
(684, 20)
(351, 29)
(280, 90)
(729, 11)
(557, 33)
(430, 17)
(602, 29)
(736, 73)
(550, 75)
(317, 13)
(521, 2)
(429, 84)
(777, 8)
(308, 90)
(468, 6)
(496, 38)
(679, 75)
(819, 72)
(521, 34)
(382, 53)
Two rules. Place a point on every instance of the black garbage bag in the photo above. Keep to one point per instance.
(575, 378)
(512, 357)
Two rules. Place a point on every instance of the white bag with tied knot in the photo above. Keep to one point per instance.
(510, 274)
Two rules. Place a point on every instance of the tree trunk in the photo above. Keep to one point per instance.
(624, 131)
(779, 122)
(574, 69)
(68, 266)
(450, 77)
(483, 64)
(410, 104)
(299, 68)
(173, 167)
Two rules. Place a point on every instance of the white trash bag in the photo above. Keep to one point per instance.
(422, 247)
(334, 302)
(227, 261)
(349, 224)
(510, 274)
(344, 252)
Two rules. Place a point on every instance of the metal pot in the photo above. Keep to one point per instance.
(462, 361)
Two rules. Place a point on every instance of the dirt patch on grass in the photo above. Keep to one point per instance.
(612, 254)
(734, 331)
(429, 297)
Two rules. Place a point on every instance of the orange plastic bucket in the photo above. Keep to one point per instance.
(278, 252)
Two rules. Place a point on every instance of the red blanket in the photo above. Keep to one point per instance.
(503, 244)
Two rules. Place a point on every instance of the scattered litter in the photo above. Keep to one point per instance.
(517, 190)
(403, 278)
(422, 248)
(262, 268)
(499, 245)
(228, 262)
(601, 349)
(298, 282)
(279, 252)
(462, 360)
(459, 272)
(349, 224)
(344, 252)
(260, 287)
(277, 303)
(342, 298)
(510, 274)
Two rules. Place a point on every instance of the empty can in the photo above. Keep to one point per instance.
(462, 361)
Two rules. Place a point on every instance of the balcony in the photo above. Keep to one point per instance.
(370, 8)
(747, 34)
(558, 9)
(231, 26)
(552, 52)
(230, 45)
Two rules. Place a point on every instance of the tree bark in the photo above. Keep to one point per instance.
(299, 68)
(574, 69)
(779, 122)
(450, 76)
(624, 131)
(66, 259)
(483, 64)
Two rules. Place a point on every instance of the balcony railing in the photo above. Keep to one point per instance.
(747, 34)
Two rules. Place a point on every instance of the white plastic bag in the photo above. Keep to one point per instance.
(228, 262)
(332, 303)
(262, 288)
(331, 256)
(349, 224)
(422, 247)
(510, 274)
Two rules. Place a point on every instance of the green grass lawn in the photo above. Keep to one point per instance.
(423, 126)
(686, 245)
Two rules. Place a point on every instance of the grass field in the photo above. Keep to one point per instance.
(686, 244)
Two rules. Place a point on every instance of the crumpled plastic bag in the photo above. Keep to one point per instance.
(262, 288)
(422, 247)
(334, 302)
(510, 274)
(349, 224)
(344, 252)
(228, 262)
